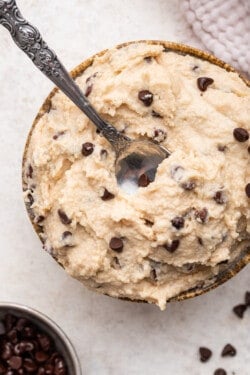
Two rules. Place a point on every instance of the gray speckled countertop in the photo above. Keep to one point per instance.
(111, 336)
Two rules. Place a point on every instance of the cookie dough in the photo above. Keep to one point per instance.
(175, 233)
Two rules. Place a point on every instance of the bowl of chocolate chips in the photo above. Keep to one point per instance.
(31, 343)
(177, 237)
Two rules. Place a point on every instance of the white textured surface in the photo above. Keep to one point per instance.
(111, 336)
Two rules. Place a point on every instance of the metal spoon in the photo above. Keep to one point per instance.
(136, 160)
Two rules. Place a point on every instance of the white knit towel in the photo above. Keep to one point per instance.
(221, 27)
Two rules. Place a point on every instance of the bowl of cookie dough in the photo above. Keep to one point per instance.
(183, 234)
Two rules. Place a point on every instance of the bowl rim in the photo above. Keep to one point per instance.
(50, 323)
(170, 47)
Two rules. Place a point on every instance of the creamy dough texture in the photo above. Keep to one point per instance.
(180, 230)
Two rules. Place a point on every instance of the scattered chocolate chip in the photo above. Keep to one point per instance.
(66, 234)
(64, 218)
(240, 134)
(201, 215)
(220, 371)
(247, 298)
(87, 148)
(9, 321)
(30, 198)
(44, 341)
(107, 195)
(239, 310)
(29, 365)
(148, 59)
(222, 148)
(219, 197)
(146, 97)
(115, 263)
(7, 351)
(228, 350)
(188, 267)
(205, 354)
(143, 180)
(29, 173)
(195, 67)
(58, 134)
(41, 356)
(204, 82)
(199, 239)
(156, 114)
(148, 222)
(12, 336)
(172, 246)
(178, 222)
(116, 244)
(189, 185)
(247, 189)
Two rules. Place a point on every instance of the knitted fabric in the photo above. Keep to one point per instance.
(221, 27)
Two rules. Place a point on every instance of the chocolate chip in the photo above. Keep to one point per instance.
(12, 336)
(64, 218)
(159, 135)
(39, 219)
(247, 298)
(153, 274)
(201, 215)
(87, 148)
(29, 332)
(195, 67)
(116, 244)
(148, 59)
(107, 195)
(228, 350)
(219, 197)
(44, 342)
(146, 97)
(103, 154)
(3, 369)
(199, 239)
(58, 134)
(15, 362)
(189, 185)
(9, 321)
(66, 234)
(247, 190)
(172, 246)
(41, 356)
(89, 89)
(178, 222)
(240, 134)
(156, 114)
(29, 365)
(239, 310)
(205, 354)
(221, 148)
(204, 82)
(220, 371)
(7, 351)
(29, 173)
(149, 223)
(143, 180)
(30, 198)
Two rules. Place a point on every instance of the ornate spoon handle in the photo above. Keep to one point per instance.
(29, 40)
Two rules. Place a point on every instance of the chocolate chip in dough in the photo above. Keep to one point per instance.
(29, 173)
(205, 354)
(64, 218)
(239, 310)
(178, 222)
(201, 215)
(148, 59)
(222, 148)
(146, 97)
(58, 135)
(87, 148)
(204, 82)
(143, 180)
(228, 351)
(116, 244)
(173, 246)
(189, 185)
(107, 195)
(247, 189)
(15, 362)
(219, 197)
(156, 114)
(241, 134)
